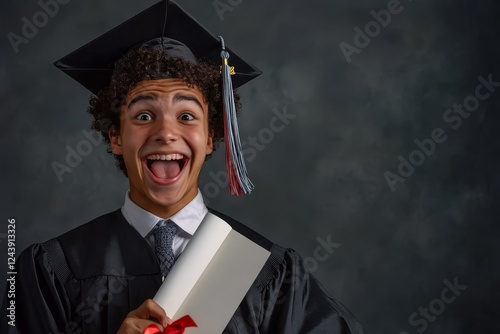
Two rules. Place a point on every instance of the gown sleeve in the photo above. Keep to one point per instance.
(291, 302)
(40, 298)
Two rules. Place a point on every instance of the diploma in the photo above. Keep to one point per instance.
(211, 277)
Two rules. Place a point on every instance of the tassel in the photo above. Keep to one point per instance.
(239, 182)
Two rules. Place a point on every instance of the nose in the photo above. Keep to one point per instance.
(165, 130)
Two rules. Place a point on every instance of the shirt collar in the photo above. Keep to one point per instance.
(188, 218)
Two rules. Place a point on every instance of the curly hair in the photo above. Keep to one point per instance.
(146, 64)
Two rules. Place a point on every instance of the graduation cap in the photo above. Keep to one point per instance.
(168, 27)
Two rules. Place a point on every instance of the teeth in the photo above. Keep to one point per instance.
(173, 156)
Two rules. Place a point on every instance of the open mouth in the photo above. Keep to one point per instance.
(166, 166)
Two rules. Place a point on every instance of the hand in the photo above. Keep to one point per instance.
(143, 316)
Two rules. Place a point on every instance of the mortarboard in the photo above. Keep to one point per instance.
(167, 26)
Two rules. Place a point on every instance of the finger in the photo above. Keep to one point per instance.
(150, 309)
(133, 325)
(153, 329)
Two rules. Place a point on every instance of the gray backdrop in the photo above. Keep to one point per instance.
(321, 170)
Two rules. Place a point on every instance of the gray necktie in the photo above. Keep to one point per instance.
(164, 237)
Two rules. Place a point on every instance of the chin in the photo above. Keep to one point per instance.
(168, 198)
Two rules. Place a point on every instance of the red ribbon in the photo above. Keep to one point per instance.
(176, 327)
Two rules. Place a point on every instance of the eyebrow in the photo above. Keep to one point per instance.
(141, 98)
(177, 98)
(182, 97)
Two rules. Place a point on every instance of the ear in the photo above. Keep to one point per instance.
(210, 142)
(116, 142)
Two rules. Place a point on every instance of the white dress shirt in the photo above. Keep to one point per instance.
(187, 220)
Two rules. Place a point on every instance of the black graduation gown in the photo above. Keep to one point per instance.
(88, 279)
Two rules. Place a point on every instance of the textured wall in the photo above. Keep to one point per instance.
(356, 108)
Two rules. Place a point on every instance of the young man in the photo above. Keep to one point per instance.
(160, 108)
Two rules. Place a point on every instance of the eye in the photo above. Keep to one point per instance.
(187, 117)
(143, 116)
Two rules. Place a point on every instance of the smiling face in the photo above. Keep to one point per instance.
(164, 139)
